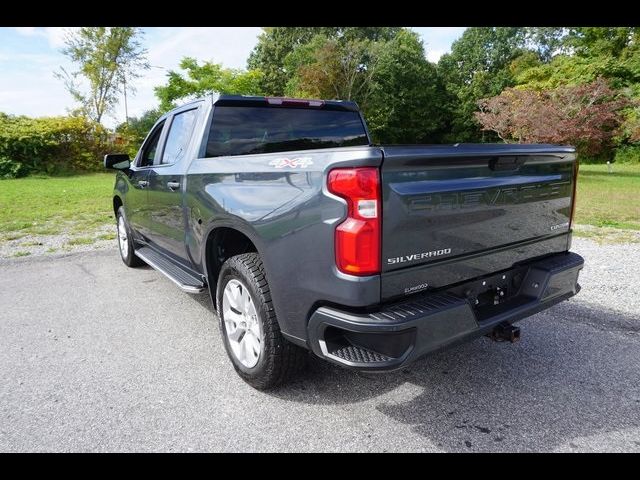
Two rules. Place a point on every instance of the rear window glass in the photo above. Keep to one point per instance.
(246, 130)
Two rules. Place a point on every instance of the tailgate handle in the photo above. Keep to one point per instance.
(506, 163)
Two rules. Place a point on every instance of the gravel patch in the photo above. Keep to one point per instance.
(33, 245)
(606, 235)
(611, 278)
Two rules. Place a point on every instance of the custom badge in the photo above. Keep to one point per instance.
(301, 162)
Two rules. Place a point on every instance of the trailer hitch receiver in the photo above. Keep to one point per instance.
(505, 332)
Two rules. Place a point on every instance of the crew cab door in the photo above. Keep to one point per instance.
(166, 186)
(136, 205)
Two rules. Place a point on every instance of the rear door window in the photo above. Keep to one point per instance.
(248, 130)
(178, 136)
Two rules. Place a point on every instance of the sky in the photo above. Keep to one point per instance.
(30, 55)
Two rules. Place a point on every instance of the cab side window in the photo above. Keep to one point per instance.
(150, 148)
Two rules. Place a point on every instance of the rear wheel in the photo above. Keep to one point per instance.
(250, 330)
(125, 241)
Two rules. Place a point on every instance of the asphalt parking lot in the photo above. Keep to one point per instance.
(98, 357)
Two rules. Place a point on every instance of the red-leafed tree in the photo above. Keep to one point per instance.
(587, 116)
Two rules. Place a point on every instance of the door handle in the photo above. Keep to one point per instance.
(142, 183)
(173, 185)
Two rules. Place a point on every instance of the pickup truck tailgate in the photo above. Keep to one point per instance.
(451, 213)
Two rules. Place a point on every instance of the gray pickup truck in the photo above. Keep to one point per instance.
(308, 237)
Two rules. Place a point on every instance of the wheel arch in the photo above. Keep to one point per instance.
(223, 242)
(117, 203)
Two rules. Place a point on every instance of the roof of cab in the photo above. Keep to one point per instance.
(257, 101)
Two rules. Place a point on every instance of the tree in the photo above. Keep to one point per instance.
(107, 57)
(589, 53)
(133, 132)
(275, 43)
(546, 42)
(587, 116)
(600, 41)
(395, 86)
(328, 68)
(569, 70)
(408, 102)
(478, 67)
(209, 77)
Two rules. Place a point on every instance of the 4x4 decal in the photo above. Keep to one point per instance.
(301, 162)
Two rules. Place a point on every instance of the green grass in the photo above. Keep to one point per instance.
(609, 200)
(106, 236)
(48, 206)
(606, 235)
(81, 241)
(81, 204)
(12, 236)
(31, 243)
(21, 254)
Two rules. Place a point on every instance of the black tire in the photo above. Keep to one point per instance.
(129, 258)
(279, 359)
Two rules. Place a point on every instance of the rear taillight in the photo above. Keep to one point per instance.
(357, 240)
(573, 198)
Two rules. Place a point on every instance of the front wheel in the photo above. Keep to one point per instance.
(250, 330)
(125, 241)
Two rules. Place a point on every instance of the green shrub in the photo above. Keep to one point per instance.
(591, 160)
(54, 145)
(628, 154)
(11, 169)
(131, 135)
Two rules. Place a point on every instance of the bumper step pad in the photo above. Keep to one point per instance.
(353, 353)
(416, 308)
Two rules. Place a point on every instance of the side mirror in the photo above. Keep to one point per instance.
(117, 161)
